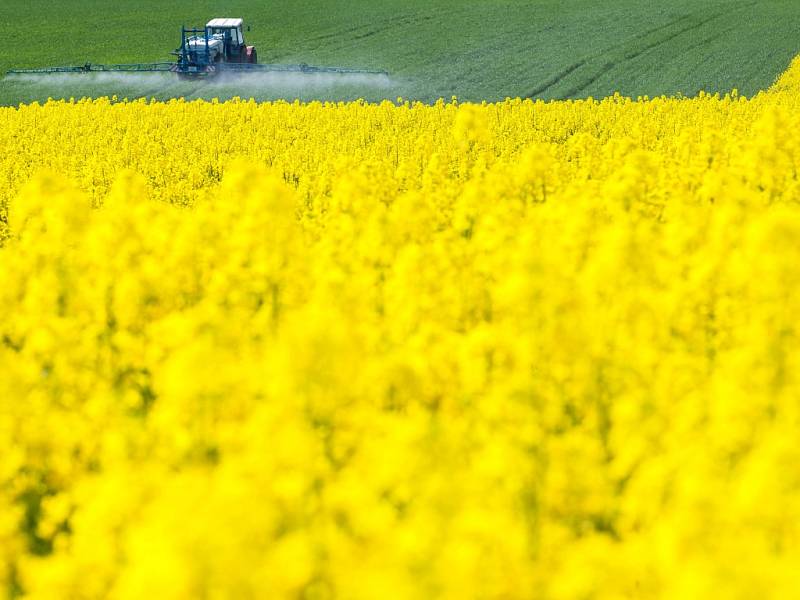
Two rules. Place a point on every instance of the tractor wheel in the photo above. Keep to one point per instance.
(252, 55)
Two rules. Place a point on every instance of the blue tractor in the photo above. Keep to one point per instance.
(218, 45)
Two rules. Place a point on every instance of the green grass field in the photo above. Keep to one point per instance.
(474, 49)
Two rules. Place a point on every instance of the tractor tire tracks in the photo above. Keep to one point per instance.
(638, 52)
(555, 80)
(561, 75)
(628, 56)
(632, 53)
(367, 30)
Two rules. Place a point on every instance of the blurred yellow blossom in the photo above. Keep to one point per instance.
(513, 350)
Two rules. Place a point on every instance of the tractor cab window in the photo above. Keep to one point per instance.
(232, 35)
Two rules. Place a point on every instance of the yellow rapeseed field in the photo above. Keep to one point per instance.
(354, 351)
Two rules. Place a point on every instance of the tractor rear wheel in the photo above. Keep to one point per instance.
(252, 55)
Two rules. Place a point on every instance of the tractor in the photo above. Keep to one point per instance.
(220, 42)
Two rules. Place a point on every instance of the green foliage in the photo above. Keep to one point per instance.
(474, 49)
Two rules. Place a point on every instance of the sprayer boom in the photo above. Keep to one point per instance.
(90, 68)
(217, 69)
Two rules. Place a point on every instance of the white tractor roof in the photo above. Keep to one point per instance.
(225, 23)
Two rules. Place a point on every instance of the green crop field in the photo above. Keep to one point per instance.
(474, 49)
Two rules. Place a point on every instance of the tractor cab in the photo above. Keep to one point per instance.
(230, 33)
